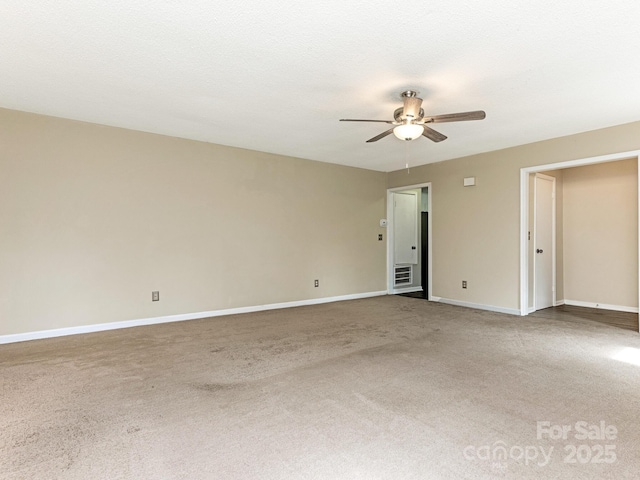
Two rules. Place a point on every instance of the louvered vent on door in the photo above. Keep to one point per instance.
(403, 275)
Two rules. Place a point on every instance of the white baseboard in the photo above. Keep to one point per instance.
(603, 306)
(395, 291)
(557, 303)
(60, 332)
(480, 306)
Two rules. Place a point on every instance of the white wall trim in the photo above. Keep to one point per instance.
(557, 303)
(524, 210)
(60, 332)
(601, 306)
(479, 306)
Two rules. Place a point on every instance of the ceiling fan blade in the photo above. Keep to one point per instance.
(359, 120)
(457, 117)
(382, 135)
(431, 134)
(411, 107)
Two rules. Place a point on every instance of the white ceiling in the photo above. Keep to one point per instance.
(276, 75)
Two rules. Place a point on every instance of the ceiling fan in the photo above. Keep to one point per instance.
(410, 122)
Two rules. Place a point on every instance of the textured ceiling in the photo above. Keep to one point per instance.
(276, 75)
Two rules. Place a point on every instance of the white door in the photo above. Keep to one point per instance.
(544, 239)
(405, 228)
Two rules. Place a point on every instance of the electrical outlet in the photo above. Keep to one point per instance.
(155, 296)
(380, 237)
(316, 283)
(464, 284)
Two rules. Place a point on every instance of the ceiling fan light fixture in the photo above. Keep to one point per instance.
(408, 131)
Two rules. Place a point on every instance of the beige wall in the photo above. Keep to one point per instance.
(559, 175)
(601, 233)
(476, 229)
(94, 218)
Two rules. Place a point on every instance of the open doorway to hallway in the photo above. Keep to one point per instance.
(409, 240)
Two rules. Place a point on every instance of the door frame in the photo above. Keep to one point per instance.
(553, 236)
(390, 191)
(524, 211)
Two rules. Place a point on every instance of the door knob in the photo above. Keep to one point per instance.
(538, 250)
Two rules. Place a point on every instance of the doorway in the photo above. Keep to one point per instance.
(409, 213)
(526, 265)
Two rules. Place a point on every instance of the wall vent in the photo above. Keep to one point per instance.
(403, 275)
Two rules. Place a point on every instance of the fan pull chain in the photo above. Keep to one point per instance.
(406, 156)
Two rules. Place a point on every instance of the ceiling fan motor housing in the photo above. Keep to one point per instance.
(411, 107)
(399, 117)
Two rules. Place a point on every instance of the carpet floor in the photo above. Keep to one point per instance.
(381, 388)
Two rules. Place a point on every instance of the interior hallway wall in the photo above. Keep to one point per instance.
(601, 233)
(416, 273)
